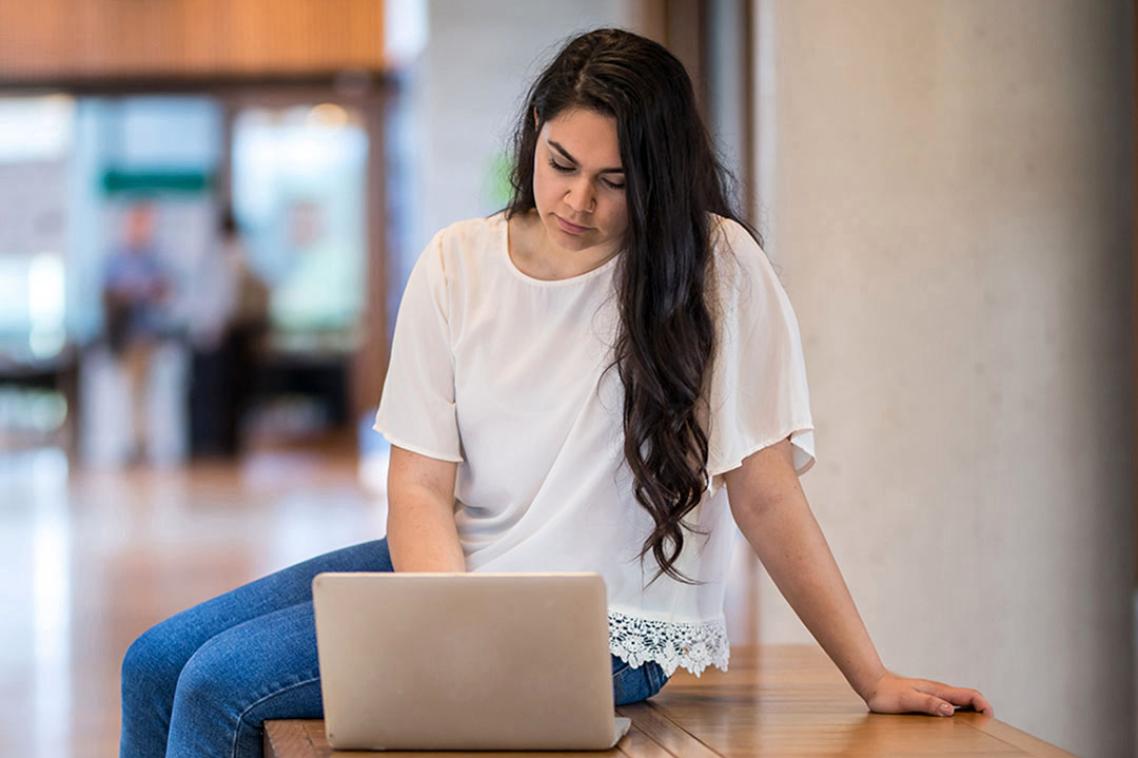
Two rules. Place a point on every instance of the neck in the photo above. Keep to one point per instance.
(542, 258)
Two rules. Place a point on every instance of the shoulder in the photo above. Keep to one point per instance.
(458, 259)
(471, 234)
(742, 274)
(738, 259)
(728, 236)
(463, 245)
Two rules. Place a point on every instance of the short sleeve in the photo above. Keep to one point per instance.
(417, 409)
(757, 394)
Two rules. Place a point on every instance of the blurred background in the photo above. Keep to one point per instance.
(208, 210)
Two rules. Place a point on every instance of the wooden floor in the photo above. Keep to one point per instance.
(787, 700)
(91, 559)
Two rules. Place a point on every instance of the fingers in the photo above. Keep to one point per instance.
(957, 696)
(981, 704)
(921, 697)
(933, 705)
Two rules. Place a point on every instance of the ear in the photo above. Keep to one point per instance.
(536, 122)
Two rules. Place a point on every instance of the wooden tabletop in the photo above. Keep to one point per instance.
(777, 700)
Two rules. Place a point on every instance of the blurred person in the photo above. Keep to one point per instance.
(230, 309)
(135, 289)
(245, 335)
(597, 378)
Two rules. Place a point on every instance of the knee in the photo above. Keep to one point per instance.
(205, 680)
(151, 663)
(205, 717)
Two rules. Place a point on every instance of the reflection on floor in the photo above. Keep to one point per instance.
(91, 559)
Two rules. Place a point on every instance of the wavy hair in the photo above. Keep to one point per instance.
(673, 181)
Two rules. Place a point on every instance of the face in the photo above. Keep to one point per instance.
(140, 225)
(578, 182)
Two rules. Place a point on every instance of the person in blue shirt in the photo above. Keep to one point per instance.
(136, 287)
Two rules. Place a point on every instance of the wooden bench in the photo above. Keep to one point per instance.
(776, 700)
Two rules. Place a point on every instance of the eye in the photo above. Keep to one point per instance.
(569, 169)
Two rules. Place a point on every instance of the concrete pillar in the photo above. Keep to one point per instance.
(946, 189)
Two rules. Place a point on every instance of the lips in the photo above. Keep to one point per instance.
(570, 228)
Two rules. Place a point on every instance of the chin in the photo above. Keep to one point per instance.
(573, 242)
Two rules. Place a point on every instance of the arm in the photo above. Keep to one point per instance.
(421, 532)
(771, 510)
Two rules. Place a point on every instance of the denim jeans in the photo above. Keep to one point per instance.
(202, 682)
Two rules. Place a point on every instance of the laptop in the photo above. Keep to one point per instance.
(465, 661)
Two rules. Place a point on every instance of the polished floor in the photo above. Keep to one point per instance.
(92, 558)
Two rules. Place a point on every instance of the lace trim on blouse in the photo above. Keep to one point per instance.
(670, 644)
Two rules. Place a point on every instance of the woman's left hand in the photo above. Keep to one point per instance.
(897, 694)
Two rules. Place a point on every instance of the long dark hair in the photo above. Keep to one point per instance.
(673, 180)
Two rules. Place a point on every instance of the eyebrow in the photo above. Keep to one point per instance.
(564, 152)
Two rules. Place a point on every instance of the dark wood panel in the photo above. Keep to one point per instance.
(53, 40)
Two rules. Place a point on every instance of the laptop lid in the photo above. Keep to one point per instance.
(465, 661)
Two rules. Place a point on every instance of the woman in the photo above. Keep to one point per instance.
(597, 378)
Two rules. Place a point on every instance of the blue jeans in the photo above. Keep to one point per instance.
(202, 682)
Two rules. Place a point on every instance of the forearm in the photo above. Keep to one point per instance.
(422, 536)
(794, 551)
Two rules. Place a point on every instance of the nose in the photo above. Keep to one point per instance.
(580, 197)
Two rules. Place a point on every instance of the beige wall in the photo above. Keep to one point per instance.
(946, 187)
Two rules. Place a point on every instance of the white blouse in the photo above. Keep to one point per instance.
(502, 373)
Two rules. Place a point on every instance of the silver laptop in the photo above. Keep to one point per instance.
(438, 661)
